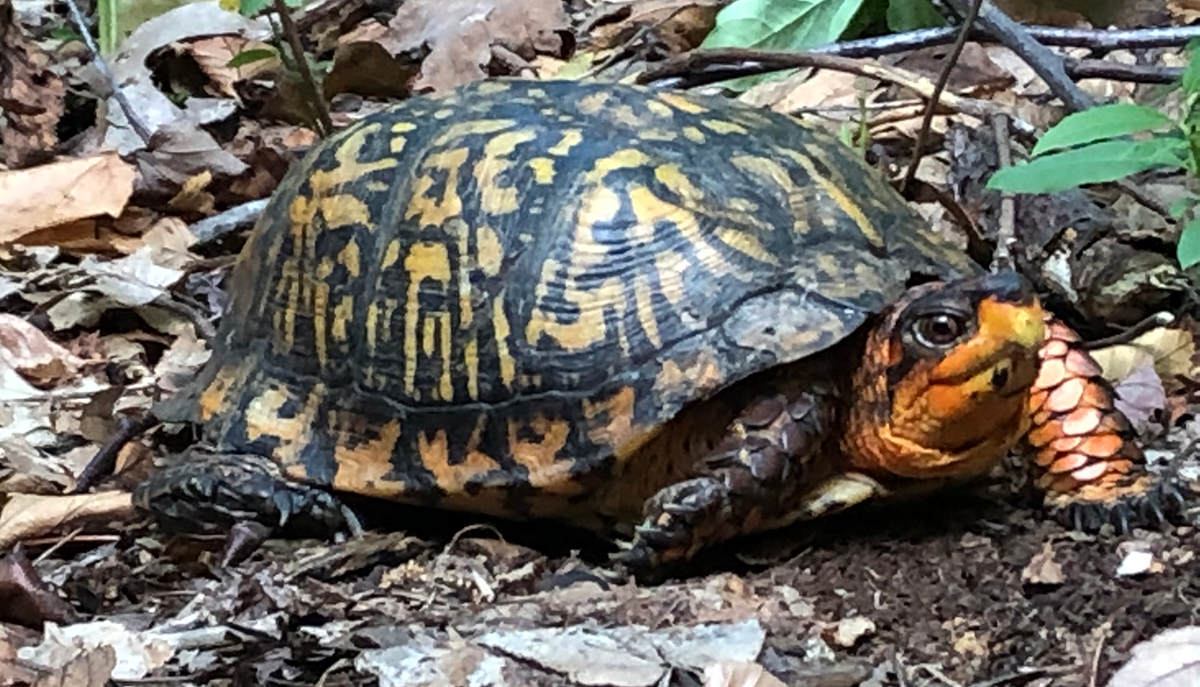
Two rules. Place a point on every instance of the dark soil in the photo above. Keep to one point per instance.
(944, 583)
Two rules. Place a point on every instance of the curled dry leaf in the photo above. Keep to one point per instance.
(1140, 394)
(24, 598)
(1169, 659)
(1170, 351)
(62, 192)
(26, 516)
(42, 362)
(739, 674)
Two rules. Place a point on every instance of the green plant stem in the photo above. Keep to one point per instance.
(315, 98)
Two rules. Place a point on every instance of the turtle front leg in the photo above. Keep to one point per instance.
(755, 480)
(1086, 457)
(242, 496)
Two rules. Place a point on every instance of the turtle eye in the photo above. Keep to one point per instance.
(939, 330)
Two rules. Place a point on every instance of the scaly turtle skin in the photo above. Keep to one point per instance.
(670, 316)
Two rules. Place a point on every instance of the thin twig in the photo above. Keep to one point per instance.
(1097, 39)
(1095, 666)
(1006, 231)
(315, 98)
(938, 88)
(1115, 71)
(714, 65)
(135, 121)
(1044, 61)
(708, 66)
(101, 466)
(1158, 319)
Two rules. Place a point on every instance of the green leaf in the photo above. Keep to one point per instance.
(249, 56)
(1188, 250)
(251, 8)
(1092, 164)
(1099, 123)
(910, 15)
(781, 24)
(1191, 74)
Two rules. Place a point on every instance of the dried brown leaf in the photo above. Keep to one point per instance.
(460, 35)
(1043, 569)
(31, 96)
(213, 56)
(87, 668)
(26, 516)
(62, 192)
(24, 597)
(42, 362)
(739, 674)
(181, 361)
(1140, 394)
(139, 652)
(1169, 659)
(1169, 349)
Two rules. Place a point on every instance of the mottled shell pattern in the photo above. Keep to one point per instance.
(508, 289)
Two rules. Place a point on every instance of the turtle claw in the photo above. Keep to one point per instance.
(1141, 505)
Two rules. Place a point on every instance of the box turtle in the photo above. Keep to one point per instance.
(671, 317)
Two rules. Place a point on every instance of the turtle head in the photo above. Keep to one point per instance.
(943, 385)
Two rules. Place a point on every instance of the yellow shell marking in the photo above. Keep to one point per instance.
(320, 310)
(540, 457)
(367, 463)
(433, 211)
(847, 205)
(337, 209)
(681, 103)
(543, 170)
(626, 158)
(425, 260)
(343, 312)
(494, 198)
(490, 251)
(293, 433)
(570, 139)
(723, 127)
(591, 104)
(435, 456)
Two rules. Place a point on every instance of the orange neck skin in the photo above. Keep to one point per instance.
(953, 415)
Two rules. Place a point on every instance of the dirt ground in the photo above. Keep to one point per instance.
(976, 588)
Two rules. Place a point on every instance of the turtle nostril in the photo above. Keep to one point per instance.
(1000, 378)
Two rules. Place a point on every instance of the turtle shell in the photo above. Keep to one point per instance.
(505, 291)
